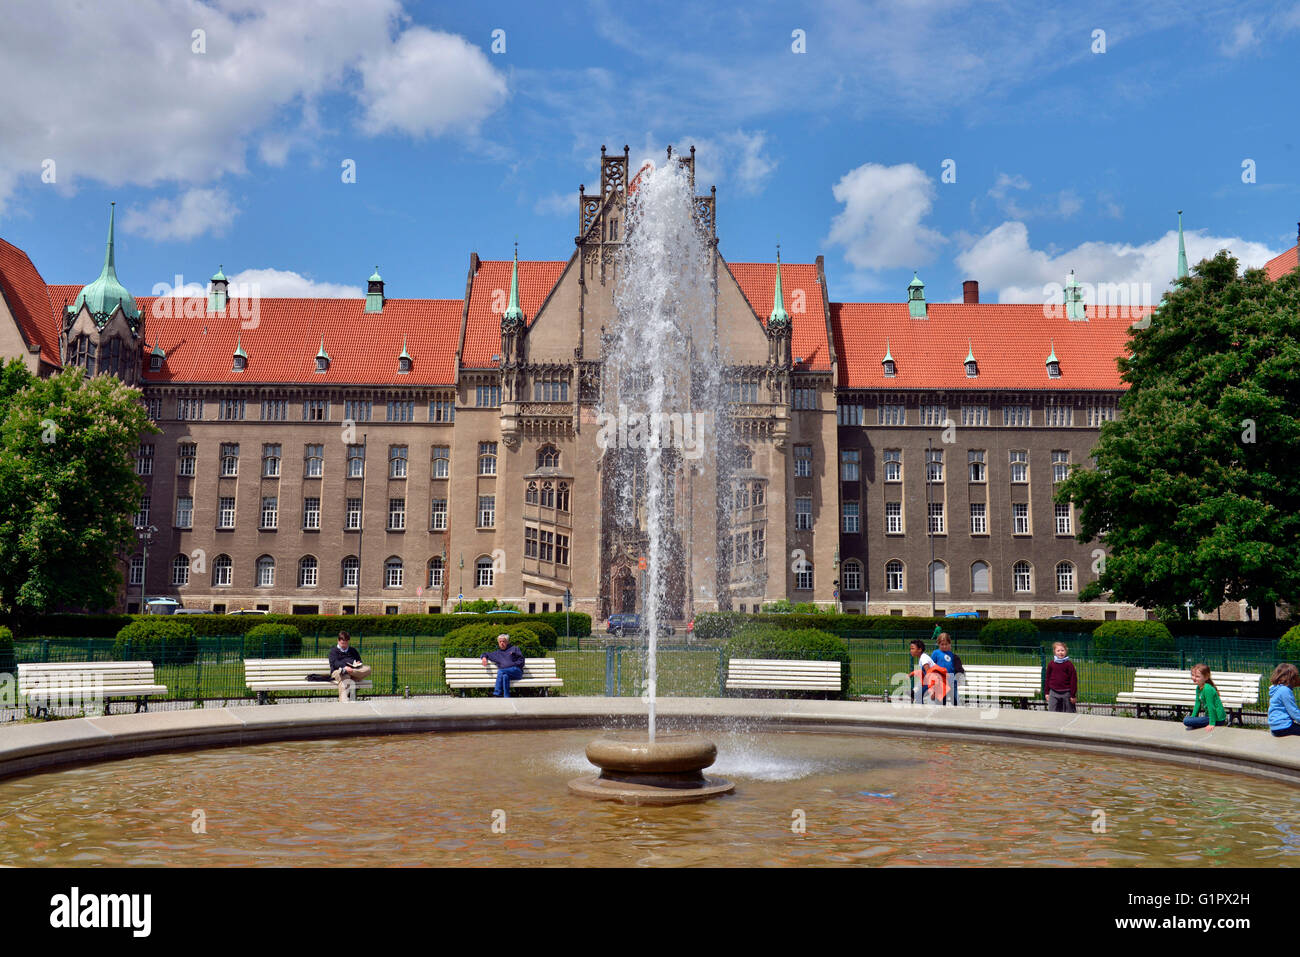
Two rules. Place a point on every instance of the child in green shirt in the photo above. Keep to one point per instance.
(1207, 700)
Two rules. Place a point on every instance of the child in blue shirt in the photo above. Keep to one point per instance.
(1283, 714)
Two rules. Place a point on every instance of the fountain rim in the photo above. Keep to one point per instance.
(36, 748)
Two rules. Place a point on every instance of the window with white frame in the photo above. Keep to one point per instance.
(226, 511)
(315, 410)
(1059, 415)
(484, 573)
(979, 519)
(187, 455)
(1099, 411)
(487, 396)
(803, 514)
(358, 410)
(231, 410)
(396, 514)
(311, 514)
(275, 410)
(351, 571)
(270, 512)
(438, 515)
(356, 461)
(803, 576)
(1063, 522)
(441, 461)
(849, 413)
(144, 460)
(1022, 577)
(803, 461)
(270, 460)
(981, 578)
(487, 511)
(189, 409)
(401, 411)
(1064, 576)
(1019, 466)
(442, 409)
(184, 511)
(934, 465)
(805, 398)
(142, 514)
(975, 462)
(229, 458)
(852, 576)
(894, 576)
(136, 574)
(891, 414)
(314, 461)
(935, 511)
(397, 461)
(307, 572)
(849, 463)
(153, 408)
(1060, 465)
(352, 514)
(1016, 415)
(437, 568)
(1020, 518)
(393, 572)
(850, 510)
(974, 415)
(487, 458)
(265, 572)
(934, 414)
(893, 465)
(893, 518)
(181, 570)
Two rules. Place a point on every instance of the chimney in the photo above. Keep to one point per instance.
(970, 291)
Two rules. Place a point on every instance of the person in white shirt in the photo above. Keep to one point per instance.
(924, 664)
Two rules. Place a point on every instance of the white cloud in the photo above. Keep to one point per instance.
(1061, 205)
(1241, 39)
(428, 83)
(194, 213)
(1003, 260)
(880, 226)
(739, 158)
(127, 101)
(285, 283)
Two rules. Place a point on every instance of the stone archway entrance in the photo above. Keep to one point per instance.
(624, 597)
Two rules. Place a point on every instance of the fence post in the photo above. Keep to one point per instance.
(722, 672)
(198, 679)
(394, 683)
(609, 671)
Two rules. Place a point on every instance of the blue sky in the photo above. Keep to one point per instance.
(1065, 156)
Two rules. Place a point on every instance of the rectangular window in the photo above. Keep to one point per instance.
(740, 547)
(1099, 411)
(438, 519)
(275, 410)
(442, 409)
(396, 514)
(142, 515)
(561, 549)
(487, 396)
(530, 542)
(934, 415)
(226, 512)
(356, 461)
(1059, 416)
(136, 576)
(546, 545)
(979, 518)
(803, 461)
(805, 398)
(1019, 466)
(401, 411)
(270, 512)
(893, 465)
(487, 511)
(311, 513)
(934, 465)
(144, 460)
(1016, 415)
(232, 410)
(936, 518)
(314, 465)
(316, 410)
(974, 415)
(487, 458)
(153, 408)
(1063, 523)
(742, 391)
(850, 517)
(758, 543)
(849, 461)
(271, 461)
(189, 409)
(803, 514)
(187, 454)
(551, 390)
(397, 461)
(893, 518)
(229, 458)
(1060, 466)
(975, 461)
(441, 461)
(1020, 517)
(358, 410)
(353, 515)
(740, 497)
(891, 415)
(849, 413)
(803, 579)
(184, 511)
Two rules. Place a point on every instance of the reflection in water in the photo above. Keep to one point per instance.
(431, 798)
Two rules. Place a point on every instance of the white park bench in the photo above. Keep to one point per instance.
(463, 674)
(994, 682)
(1174, 688)
(771, 674)
(265, 675)
(86, 684)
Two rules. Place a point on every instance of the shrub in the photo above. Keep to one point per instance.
(272, 640)
(544, 632)
(1288, 646)
(160, 640)
(803, 644)
(481, 605)
(1115, 640)
(1009, 633)
(474, 641)
(8, 665)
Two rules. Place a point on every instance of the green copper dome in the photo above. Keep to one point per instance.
(105, 294)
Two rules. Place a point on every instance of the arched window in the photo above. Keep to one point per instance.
(351, 567)
(548, 495)
(222, 570)
(265, 571)
(1023, 577)
(181, 570)
(938, 577)
(803, 576)
(894, 580)
(548, 457)
(981, 579)
(393, 572)
(562, 497)
(436, 568)
(1065, 576)
(852, 575)
(307, 569)
(530, 494)
(484, 573)
(744, 457)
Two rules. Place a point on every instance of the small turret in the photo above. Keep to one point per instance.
(217, 292)
(1074, 308)
(916, 305)
(375, 292)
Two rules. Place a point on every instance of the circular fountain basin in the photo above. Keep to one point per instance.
(636, 770)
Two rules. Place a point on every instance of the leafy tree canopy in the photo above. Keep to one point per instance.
(1196, 489)
(68, 489)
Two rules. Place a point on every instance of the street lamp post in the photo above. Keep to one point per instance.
(929, 523)
(145, 533)
(462, 577)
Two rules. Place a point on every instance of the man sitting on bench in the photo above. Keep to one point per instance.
(510, 665)
(345, 666)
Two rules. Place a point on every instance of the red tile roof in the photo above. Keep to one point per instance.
(808, 318)
(29, 300)
(282, 336)
(488, 298)
(1011, 342)
(1281, 264)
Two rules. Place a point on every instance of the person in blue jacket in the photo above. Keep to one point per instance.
(510, 665)
(943, 657)
(1283, 714)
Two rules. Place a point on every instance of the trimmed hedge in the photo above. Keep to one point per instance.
(1115, 639)
(272, 639)
(160, 639)
(792, 644)
(1010, 633)
(474, 641)
(8, 664)
(723, 624)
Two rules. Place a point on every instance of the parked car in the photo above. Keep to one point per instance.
(246, 611)
(497, 611)
(191, 611)
(628, 623)
(962, 614)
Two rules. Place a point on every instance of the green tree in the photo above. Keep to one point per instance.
(68, 489)
(1196, 487)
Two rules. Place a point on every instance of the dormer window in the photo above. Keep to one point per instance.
(1053, 364)
(404, 364)
(891, 369)
(322, 358)
(972, 369)
(155, 362)
(240, 364)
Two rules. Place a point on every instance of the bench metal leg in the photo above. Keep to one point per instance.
(141, 704)
(261, 697)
